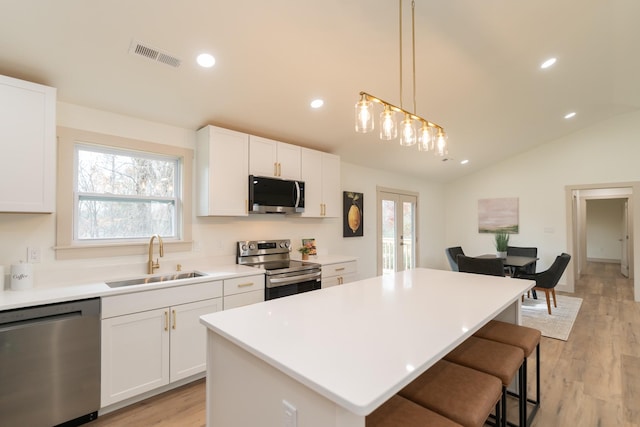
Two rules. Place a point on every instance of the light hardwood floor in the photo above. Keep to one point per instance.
(591, 380)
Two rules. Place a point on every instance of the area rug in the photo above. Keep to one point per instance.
(557, 325)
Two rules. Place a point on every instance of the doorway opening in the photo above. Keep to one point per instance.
(600, 228)
(397, 246)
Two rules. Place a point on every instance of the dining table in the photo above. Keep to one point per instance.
(513, 261)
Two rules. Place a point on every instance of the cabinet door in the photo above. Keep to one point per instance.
(288, 161)
(263, 156)
(222, 172)
(188, 338)
(331, 194)
(28, 138)
(311, 174)
(135, 354)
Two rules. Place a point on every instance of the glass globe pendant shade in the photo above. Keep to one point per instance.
(388, 124)
(364, 115)
(425, 138)
(407, 132)
(441, 144)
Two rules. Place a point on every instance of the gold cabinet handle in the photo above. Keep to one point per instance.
(275, 169)
(279, 169)
(244, 285)
(166, 320)
(340, 281)
(340, 269)
(173, 315)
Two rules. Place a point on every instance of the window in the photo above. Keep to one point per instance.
(122, 194)
(113, 193)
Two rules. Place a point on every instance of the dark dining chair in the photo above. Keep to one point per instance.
(523, 251)
(452, 256)
(529, 269)
(547, 280)
(488, 266)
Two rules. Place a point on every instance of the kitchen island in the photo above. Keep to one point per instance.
(330, 357)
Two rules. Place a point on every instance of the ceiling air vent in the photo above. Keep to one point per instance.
(143, 49)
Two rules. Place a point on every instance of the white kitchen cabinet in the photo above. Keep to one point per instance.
(243, 291)
(321, 175)
(148, 342)
(28, 140)
(222, 172)
(273, 158)
(338, 273)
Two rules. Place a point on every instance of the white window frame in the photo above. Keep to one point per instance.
(67, 247)
(111, 197)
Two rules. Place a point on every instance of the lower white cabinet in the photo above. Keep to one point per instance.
(338, 273)
(243, 291)
(145, 350)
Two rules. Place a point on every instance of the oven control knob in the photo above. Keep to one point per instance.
(252, 246)
(244, 247)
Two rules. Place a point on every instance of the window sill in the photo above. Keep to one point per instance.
(117, 249)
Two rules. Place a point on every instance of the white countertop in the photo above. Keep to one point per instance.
(17, 299)
(358, 344)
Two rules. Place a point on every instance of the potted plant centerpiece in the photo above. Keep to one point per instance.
(502, 241)
(305, 250)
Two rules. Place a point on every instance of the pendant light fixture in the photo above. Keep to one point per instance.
(413, 129)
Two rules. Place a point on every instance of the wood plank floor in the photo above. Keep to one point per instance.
(591, 380)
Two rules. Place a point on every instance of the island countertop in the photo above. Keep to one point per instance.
(359, 343)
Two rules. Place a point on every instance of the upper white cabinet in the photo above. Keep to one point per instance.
(273, 158)
(321, 176)
(222, 159)
(28, 139)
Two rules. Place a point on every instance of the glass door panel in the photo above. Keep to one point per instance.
(397, 245)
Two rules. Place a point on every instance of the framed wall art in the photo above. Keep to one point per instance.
(352, 218)
(499, 214)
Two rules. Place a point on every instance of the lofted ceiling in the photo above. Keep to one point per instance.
(477, 68)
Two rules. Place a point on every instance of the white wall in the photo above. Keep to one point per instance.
(215, 237)
(604, 229)
(606, 152)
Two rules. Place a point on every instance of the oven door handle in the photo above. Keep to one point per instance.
(294, 279)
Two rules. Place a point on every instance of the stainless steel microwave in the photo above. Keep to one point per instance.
(273, 195)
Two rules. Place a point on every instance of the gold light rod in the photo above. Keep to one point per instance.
(400, 110)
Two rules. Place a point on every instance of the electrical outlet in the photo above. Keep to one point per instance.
(290, 415)
(33, 255)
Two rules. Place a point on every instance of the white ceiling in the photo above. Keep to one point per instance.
(477, 68)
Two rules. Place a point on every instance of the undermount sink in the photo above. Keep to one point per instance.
(155, 279)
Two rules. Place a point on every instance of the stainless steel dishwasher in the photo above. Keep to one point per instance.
(50, 364)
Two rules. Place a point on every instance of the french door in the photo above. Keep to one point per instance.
(397, 243)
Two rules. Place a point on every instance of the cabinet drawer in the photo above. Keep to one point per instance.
(243, 284)
(337, 280)
(135, 302)
(339, 269)
(246, 298)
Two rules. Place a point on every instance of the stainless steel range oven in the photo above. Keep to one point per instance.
(284, 276)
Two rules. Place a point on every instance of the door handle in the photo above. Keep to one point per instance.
(175, 319)
(166, 320)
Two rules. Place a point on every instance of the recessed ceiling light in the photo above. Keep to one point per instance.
(464, 162)
(570, 115)
(548, 63)
(317, 103)
(206, 60)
